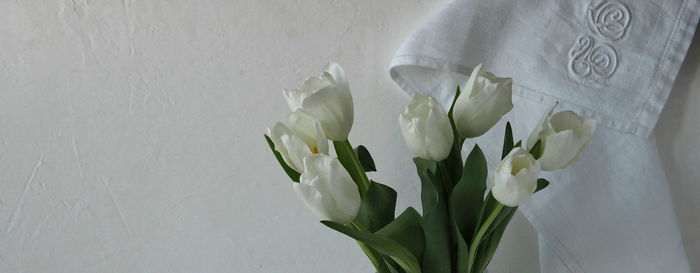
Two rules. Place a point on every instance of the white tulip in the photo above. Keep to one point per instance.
(292, 147)
(328, 190)
(484, 100)
(564, 136)
(308, 129)
(327, 98)
(515, 178)
(426, 128)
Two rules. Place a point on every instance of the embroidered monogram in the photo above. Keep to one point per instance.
(610, 19)
(588, 60)
(593, 62)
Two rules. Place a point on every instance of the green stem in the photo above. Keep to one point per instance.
(479, 234)
(370, 252)
(360, 176)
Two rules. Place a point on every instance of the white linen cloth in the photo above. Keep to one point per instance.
(614, 60)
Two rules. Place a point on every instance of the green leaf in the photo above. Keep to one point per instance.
(536, 150)
(452, 106)
(377, 207)
(488, 247)
(294, 175)
(507, 141)
(383, 244)
(453, 162)
(407, 231)
(520, 143)
(423, 164)
(541, 184)
(365, 159)
(436, 224)
(467, 196)
(348, 158)
(461, 257)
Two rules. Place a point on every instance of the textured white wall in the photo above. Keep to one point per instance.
(131, 133)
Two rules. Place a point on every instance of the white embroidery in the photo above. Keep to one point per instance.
(590, 61)
(593, 62)
(610, 19)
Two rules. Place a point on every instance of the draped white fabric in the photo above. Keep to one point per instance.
(614, 60)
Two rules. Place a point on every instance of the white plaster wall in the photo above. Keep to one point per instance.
(131, 133)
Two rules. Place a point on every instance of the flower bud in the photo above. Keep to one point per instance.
(328, 190)
(426, 128)
(564, 137)
(484, 100)
(515, 178)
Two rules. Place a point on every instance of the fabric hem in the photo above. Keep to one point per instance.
(672, 58)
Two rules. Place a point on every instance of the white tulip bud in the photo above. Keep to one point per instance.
(328, 190)
(308, 129)
(564, 136)
(293, 148)
(426, 128)
(326, 98)
(515, 178)
(484, 100)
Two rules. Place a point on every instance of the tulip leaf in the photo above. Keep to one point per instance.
(294, 175)
(365, 159)
(541, 184)
(348, 158)
(536, 149)
(424, 164)
(452, 106)
(488, 247)
(383, 244)
(520, 143)
(468, 195)
(407, 231)
(377, 207)
(507, 141)
(436, 224)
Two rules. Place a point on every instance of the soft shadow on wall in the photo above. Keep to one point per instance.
(678, 139)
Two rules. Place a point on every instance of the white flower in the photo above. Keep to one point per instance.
(564, 136)
(308, 129)
(326, 98)
(293, 148)
(515, 178)
(426, 128)
(328, 190)
(484, 100)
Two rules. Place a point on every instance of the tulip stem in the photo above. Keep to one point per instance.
(370, 252)
(479, 234)
(351, 162)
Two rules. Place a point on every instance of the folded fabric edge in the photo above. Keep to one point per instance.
(520, 90)
(670, 64)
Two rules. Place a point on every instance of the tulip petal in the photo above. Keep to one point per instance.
(333, 110)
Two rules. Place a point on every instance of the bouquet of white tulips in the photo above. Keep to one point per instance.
(464, 211)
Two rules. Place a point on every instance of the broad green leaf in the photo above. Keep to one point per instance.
(346, 156)
(407, 231)
(383, 244)
(507, 141)
(467, 196)
(436, 225)
(377, 207)
(294, 175)
(488, 247)
(461, 256)
(541, 184)
(423, 164)
(391, 265)
(536, 150)
(365, 159)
